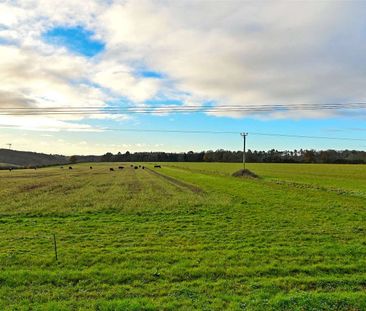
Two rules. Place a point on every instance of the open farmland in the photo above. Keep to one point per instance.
(186, 236)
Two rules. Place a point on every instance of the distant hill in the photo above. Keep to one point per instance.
(14, 158)
(7, 165)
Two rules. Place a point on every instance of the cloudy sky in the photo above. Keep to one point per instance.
(91, 57)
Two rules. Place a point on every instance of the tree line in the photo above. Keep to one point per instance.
(220, 155)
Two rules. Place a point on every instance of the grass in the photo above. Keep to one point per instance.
(329, 176)
(190, 237)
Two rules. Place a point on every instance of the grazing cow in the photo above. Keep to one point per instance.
(111, 169)
(157, 166)
(143, 167)
(91, 167)
(139, 165)
(70, 167)
(10, 169)
(120, 167)
(136, 167)
(61, 167)
(131, 165)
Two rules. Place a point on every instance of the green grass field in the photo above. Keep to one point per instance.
(187, 236)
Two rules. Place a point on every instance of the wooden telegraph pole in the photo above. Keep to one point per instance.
(244, 135)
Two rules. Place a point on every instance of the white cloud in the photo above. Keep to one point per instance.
(31, 79)
(120, 80)
(247, 52)
(228, 52)
(37, 74)
(36, 123)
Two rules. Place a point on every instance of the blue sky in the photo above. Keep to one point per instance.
(76, 39)
(129, 54)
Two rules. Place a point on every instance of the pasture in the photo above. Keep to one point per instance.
(185, 236)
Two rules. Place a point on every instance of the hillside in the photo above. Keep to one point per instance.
(14, 158)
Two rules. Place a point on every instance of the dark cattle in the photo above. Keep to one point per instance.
(135, 167)
(120, 167)
(143, 167)
(70, 167)
(131, 165)
(111, 169)
(91, 167)
(61, 167)
(139, 165)
(10, 169)
(157, 166)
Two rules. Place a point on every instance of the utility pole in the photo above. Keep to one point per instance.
(244, 135)
(9, 146)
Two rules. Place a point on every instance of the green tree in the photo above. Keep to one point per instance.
(73, 159)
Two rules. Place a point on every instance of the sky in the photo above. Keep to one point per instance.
(181, 54)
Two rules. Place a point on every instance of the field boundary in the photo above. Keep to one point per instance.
(299, 185)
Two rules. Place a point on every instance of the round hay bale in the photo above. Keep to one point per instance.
(245, 173)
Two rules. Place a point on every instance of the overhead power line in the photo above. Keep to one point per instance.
(228, 132)
(171, 105)
(164, 109)
(200, 132)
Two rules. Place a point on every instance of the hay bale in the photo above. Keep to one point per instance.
(245, 173)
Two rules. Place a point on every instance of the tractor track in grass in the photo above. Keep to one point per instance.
(176, 182)
(157, 185)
